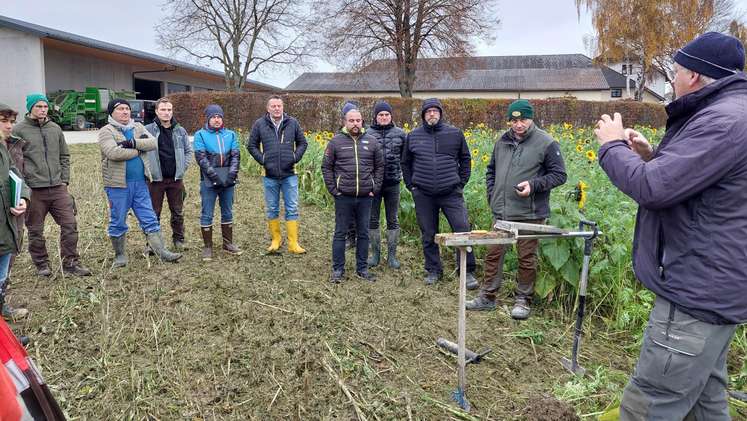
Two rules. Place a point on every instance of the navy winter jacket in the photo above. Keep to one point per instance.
(392, 139)
(279, 150)
(690, 243)
(435, 159)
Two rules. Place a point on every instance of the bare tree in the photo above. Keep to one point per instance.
(354, 33)
(650, 32)
(245, 36)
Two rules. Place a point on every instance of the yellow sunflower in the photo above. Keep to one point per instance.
(485, 158)
(579, 148)
(475, 152)
(318, 137)
(590, 155)
(581, 187)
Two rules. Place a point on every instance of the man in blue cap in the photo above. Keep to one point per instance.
(689, 246)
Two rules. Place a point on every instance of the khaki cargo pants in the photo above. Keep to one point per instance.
(681, 372)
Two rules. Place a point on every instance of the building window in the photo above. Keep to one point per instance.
(625, 70)
(616, 93)
(177, 87)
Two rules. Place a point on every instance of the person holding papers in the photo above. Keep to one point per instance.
(10, 208)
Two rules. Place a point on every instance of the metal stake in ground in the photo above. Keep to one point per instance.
(572, 364)
(459, 394)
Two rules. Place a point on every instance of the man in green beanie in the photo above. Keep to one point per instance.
(47, 172)
(519, 190)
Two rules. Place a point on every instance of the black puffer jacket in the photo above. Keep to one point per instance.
(277, 151)
(391, 139)
(353, 168)
(435, 159)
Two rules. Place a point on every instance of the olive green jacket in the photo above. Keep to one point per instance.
(45, 154)
(8, 232)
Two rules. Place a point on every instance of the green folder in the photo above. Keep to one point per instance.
(16, 186)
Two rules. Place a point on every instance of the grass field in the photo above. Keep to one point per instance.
(267, 337)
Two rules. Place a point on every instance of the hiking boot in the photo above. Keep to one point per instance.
(180, 246)
(76, 269)
(336, 276)
(431, 278)
(207, 239)
(156, 243)
(392, 240)
(521, 309)
(480, 303)
(471, 281)
(365, 275)
(43, 270)
(228, 245)
(120, 257)
(375, 239)
(10, 313)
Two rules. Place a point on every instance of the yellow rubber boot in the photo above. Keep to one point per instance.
(293, 247)
(274, 226)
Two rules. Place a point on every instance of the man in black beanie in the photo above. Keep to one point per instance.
(689, 246)
(391, 138)
(436, 166)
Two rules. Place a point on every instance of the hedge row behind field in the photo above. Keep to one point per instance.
(323, 112)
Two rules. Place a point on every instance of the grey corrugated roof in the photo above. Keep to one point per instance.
(573, 79)
(546, 61)
(45, 32)
(553, 72)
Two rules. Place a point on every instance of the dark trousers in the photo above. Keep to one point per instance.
(347, 210)
(57, 202)
(390, 195)
(526, 251)
(427, 208)
(174, 192)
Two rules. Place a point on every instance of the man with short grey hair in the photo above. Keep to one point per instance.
(689, 246)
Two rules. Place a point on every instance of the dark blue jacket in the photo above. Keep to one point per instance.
(279, 150)
(435, 159)
(690, 243)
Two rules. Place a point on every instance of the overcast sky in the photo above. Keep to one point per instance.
(527, 27)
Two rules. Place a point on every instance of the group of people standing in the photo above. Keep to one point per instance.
(689, 246)
(362, 167)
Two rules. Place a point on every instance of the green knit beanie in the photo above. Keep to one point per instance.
(32, 99)
(521, 108)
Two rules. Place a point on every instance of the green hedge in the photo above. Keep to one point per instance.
(323, 112)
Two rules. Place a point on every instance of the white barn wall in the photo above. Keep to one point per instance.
(22, 68)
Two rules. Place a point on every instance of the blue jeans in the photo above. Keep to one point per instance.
(4, 267)
(289, 187)
(224, 195)
(347, 210)
(136, 197)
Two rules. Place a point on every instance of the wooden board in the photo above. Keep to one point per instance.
(457, 239)
(524, 228)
